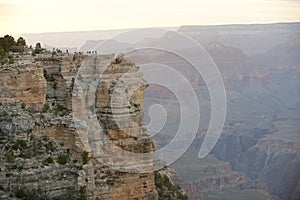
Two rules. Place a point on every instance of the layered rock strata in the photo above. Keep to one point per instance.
(52, 153)
(24, 82)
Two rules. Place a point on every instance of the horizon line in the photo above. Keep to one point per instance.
(166, 27)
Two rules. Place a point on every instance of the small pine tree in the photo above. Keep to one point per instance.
(38, 48)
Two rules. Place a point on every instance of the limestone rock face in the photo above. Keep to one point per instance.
(119, 109)
(29, 163)
(53, 153)
(25, 82)
(13, 119)
(60, 74)
(111, 114)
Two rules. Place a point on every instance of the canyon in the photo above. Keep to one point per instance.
(45, 154)
(59, 122)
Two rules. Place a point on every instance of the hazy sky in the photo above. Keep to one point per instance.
(32, 16)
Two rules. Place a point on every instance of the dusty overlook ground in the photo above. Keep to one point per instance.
(43, 155)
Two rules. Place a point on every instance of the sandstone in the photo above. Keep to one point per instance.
(44, 148)
(25, 82)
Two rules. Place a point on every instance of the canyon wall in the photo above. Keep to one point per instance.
(45, 155)
(270, 163)
(24, 82)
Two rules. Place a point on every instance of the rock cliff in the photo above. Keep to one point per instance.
(271, 164)
(44, 155)
(24, 82)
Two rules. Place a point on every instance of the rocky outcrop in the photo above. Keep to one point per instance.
(30, 164)
(212, 177)
(168, 188)
(190, 189)
(219, 182)
(49, 155)
(118, 106)
(13, 119)
(270, 163)
(24, 82)
(112, 109)
(60, 74)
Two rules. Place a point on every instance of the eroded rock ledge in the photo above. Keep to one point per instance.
(44, 156)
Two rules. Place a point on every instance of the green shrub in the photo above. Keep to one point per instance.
(62, 159)
(72, 85)
(9, 156)
(82, 193)
(84, 156)
(28, 153)
(20, 193)
(23, 106)
(11, 60)
(19, 144)
(38, 48)
(49, 160)
(20, 168)
(165, 187)
(58, 108)
(46, 107)
(26, 193)
(71, 192)
(50, 146)
(3, 60)
(49, 78)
